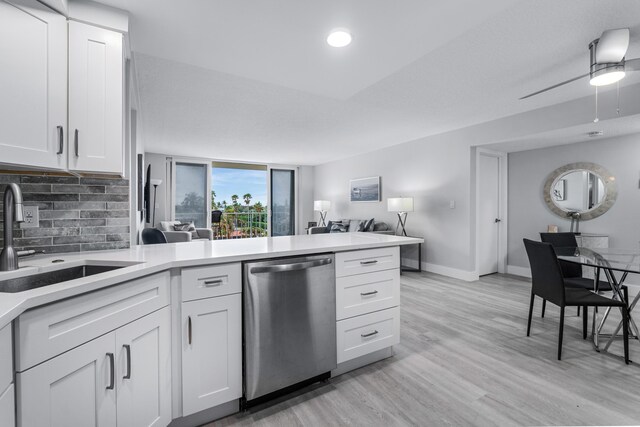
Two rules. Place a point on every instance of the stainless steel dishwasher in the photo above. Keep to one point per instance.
(289, 323)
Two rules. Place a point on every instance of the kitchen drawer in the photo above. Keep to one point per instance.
(52, 329)
(367, 260)
(365, 334)
(364, 293)
(6, 358)
(211, 281)
(8, 407)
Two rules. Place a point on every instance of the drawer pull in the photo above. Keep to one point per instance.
(370, 334)
(373, 261)
(365, 294)
(211, 283)
(127, 347)
(112, 368)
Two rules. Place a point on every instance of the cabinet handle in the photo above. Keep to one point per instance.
(112, 368)
(216, 282)
(60, 140)
(75, 142)
(127, 347)
(370, 334)
(364, 294)
(189, 326)
(374, 261)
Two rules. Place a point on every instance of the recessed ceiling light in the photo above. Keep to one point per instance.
(339, 38)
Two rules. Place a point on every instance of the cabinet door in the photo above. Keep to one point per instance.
(76, 388)
(144, 371)
(95, 99)
(211, 352)
(33, 84)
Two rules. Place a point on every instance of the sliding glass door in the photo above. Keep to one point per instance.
(191, 193)
(283, 203)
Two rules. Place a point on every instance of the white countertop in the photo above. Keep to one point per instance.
(144, 260)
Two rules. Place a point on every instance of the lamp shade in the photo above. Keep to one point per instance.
(155, 182)
(321, 205)
(400, 204)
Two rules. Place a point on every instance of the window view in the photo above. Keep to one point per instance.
(190, 196)
(238, 200)
(282, 203)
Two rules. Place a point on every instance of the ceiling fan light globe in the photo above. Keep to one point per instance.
(604, 79)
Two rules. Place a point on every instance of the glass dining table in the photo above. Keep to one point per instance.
(616, 264)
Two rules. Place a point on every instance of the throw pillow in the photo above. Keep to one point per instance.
(181, 227)
(380, 226)
(338, 228)
(368, 225)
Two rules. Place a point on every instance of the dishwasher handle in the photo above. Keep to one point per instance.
(295, 266)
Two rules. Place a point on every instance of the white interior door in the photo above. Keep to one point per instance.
(489, 214)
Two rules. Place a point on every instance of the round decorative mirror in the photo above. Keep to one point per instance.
(585, 190)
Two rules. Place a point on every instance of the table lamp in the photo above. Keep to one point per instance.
(322, 206)
(400, 205)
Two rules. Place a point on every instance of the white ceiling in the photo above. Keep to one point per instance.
(255, 81)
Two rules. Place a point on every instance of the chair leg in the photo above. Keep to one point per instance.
(585, 314)
(544, 305)
(560, 333)
(625, 333)
(530, 313)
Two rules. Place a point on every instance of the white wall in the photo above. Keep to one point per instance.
(529, 215)
(305, 197)
(433, 174)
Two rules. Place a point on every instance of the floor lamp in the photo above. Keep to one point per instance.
(400, 205)
(322, 206)
(155, 183)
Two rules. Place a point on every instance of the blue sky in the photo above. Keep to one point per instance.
(226, 182)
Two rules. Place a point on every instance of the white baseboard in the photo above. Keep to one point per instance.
(467, 276)
(519, 271)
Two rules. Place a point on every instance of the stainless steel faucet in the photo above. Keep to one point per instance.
(12, 211)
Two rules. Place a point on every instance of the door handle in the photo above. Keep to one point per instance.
(112, 368)
(189, 329)
(60, 140)
(127, 348)
(76, 143)
(280, 268)
(497, 220)
(364, 294)
(211, 283)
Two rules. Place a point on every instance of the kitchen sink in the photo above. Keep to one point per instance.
(33, 281)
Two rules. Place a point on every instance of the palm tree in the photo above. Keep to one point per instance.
(213, 199)
(247, 198)
(234, 199)
(258, 207)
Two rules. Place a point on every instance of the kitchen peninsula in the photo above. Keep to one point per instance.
(171, 315)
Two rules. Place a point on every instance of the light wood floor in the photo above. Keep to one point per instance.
(464, 359)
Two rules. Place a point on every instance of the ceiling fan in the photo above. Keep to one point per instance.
(608, 64)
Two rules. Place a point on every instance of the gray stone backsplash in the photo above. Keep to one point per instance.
(76, 214)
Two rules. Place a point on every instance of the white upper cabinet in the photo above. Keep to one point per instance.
(33, 84)
(96, 69)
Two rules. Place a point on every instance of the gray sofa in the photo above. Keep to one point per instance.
(352, 226)
(183, 236)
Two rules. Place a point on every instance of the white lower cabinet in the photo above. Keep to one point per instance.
(211, 352)
(122, 378)
(144, 371)
(8, 407)
(76, 388)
